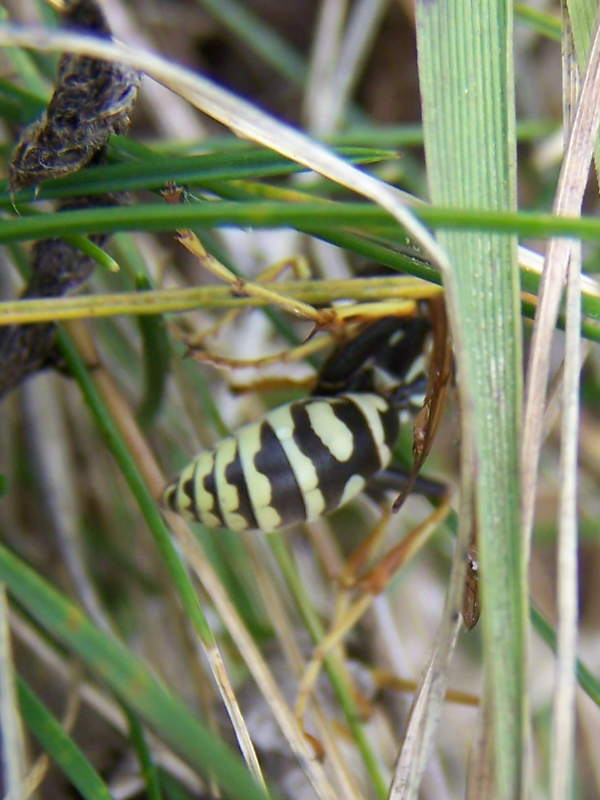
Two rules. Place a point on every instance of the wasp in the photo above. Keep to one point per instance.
(307, 458)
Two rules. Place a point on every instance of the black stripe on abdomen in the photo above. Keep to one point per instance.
(359, 454)
(272, 461)
(235, 476)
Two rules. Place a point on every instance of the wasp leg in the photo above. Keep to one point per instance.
(388, 680)
(240, 287)
(270, 384)
(290, 354)
(298, 266)
(347, 613)
(395, 478)
(375, 581)
(200, 351)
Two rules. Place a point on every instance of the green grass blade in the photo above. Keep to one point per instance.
(140, 490)
(582, 16)
(589, 682)
(316, 216)
(60, 747)
(258, 37)
(546, 24)
(155, 170)
(144, 754)
(466, 80)
(135, 684)
(24, 66)
(19, 105)
(156, 356)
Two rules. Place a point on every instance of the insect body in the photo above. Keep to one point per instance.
(309, 457)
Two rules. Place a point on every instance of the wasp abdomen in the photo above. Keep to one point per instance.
(302, 460)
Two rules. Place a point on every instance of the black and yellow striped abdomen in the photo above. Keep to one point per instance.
(302, 460)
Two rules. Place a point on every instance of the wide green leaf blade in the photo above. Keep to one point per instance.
(466, 71)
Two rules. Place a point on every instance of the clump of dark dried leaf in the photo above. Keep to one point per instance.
(92, 100)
